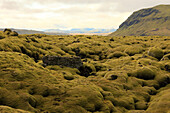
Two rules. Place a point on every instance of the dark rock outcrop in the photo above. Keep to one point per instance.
(73, 62)
(10, 32)
(85, 71)
(7, 31)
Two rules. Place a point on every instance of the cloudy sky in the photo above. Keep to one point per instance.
(66, 14)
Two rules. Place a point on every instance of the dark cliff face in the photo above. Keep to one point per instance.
(137, 16)
(151, 21)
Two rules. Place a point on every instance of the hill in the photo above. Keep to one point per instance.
(146, 22)
(117, 74)
(26, 31)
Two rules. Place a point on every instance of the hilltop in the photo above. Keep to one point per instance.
(146, 22)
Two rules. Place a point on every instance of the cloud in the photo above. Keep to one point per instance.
(60, 26)
(69, 13)
(9, 4)
(132, 5)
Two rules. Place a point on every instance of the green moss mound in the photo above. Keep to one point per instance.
(132, 50)
(141, 105)
(69, 77)
(7, 109)
(2, 36)
(160, 103)
(156, 52)
(19, 66)
(166, 57)
(116, 54)
(87, 69)
(143, 73)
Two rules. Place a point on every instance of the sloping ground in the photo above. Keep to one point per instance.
(127, 74)
(146, 22)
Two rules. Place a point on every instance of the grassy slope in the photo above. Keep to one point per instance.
(147, 22)
(124, 77)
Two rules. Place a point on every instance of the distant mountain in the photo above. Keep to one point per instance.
(81, 30)
(26, 31)
(64, 32)
(145, 22)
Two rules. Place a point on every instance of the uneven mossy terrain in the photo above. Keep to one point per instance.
(127, 74)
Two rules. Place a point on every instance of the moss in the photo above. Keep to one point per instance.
(141, 105)
(140, 95)
(149, 62)
(112, 77)
(106, 93)
(75, 109)
(125, 102)
(163, 79)
(87, 69)
(151, 83)
(35, 40)
(116, 54)
(20, 101)
(101, 73)
(100, 66)
(160, 103)
(106, 88)
(91, 101)
(136, 111)
(40, 90)
(150, 90)
(144, 73)
(166, 57)
(13, 33)
(116, 76)
(7, 109)
(2, 36)
(109, 107)
(156, 52)
(8, 98)
(132, 50)
(54, 67)
(69, 77)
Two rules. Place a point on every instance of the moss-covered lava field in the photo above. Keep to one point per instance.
(124, 74)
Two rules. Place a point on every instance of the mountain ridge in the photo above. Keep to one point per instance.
(145, 22)
(81, 30)
(27, 31)
(63, 32)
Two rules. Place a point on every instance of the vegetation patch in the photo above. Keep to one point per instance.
(116, 74)
(156, 52)
(143, 73)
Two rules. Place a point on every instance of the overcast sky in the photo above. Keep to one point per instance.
(65, 14)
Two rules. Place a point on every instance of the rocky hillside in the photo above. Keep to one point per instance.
(84, 74)
(146, 22)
